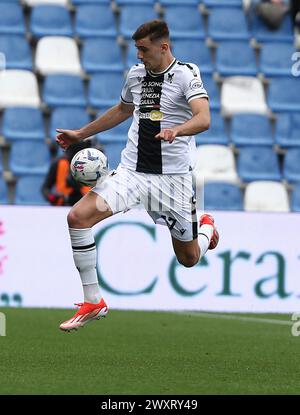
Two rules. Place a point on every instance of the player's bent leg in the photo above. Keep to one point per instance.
(207, 227)
(187, 252)
(90, 210)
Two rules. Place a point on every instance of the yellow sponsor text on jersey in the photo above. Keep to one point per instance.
(156, 115)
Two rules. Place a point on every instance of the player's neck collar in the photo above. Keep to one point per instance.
(165, 71)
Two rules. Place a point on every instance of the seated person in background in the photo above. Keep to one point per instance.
(272, 12)
(59, 188)
(295, 13)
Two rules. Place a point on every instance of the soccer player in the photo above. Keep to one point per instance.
(169, 106)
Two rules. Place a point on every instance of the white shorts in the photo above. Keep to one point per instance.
(168, 199)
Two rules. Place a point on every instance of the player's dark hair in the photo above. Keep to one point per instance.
(155, 29)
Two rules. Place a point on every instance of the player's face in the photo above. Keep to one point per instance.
(150, 53)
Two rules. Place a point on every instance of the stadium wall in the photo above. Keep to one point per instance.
(255, 268)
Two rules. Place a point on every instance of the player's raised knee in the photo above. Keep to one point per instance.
(188, 260)
(75, 219)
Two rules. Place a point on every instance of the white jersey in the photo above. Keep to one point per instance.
(161, 101)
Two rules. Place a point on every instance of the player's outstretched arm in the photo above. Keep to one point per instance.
(108, 120)
(65, 138)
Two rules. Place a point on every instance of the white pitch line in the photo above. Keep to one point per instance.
(241, 318)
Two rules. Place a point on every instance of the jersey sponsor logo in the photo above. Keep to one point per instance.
(195, 84)
(147, 84)
(154, 115)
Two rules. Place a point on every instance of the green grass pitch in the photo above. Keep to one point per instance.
(133, 352)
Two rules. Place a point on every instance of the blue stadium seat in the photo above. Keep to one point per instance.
(114, 142)
(105, 89)
(222, 196)
(223, 3)
(255, 2)
(23, 124)
(228, 24)
(284, 94)
(29, 157)
(251, 130)
(165, 3)
(235, 58)
(136, 2)
(28, 190)
(3, 191)
(258, 163)
(275, 59)
(288, 130)
(80, 2)
(101, 54)
(295, 198)
(17, 52)
(132, 16)
(185, 22)
(194, 51)
(291, 165)
(70, 118)
(64, 90)
(131, 58)
(11, 19)
(93, 20)
(262, 33)
(212, 90)
(50, 20)
(216, 134)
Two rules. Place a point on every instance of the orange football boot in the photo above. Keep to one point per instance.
(86, 313)
(209, 220)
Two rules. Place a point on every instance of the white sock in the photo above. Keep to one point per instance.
(205, 235)
(84, 254)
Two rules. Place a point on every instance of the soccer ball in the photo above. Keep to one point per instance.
(88, 166)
